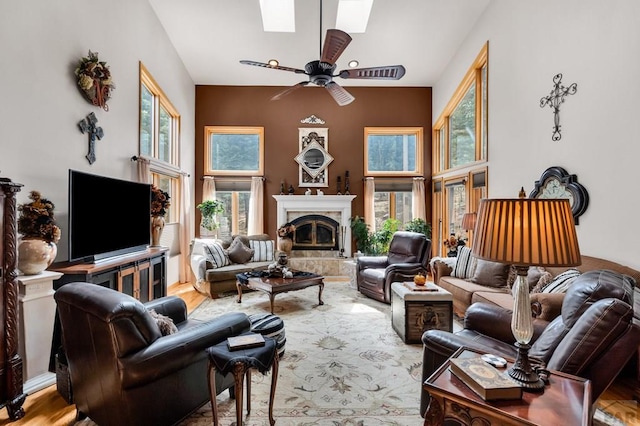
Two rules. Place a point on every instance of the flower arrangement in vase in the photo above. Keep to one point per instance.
(40, 234)
(209, 209)
(94, 79)
(159, 205)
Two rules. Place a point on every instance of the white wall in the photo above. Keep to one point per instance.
(41, 42)
(595, 44)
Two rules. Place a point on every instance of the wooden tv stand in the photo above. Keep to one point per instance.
(142, 275)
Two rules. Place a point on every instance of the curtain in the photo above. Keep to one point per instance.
(185, 229)
(208, 189)
(256, 206)
(369, 205)
(418, 202)
(144, 170)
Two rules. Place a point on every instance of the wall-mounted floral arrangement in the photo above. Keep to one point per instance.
(94, 79)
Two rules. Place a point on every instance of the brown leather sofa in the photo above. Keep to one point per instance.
(123, 370)
(593, 337)
(409, 254)
(466, 292)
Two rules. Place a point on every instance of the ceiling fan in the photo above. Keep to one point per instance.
(321, 72)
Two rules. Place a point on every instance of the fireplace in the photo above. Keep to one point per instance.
(315, 232)
(324, 220)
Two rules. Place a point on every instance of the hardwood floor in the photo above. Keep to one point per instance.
(47, 407)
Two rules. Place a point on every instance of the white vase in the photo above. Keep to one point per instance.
(35, 255)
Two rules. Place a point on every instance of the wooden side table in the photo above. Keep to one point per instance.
(566, 400)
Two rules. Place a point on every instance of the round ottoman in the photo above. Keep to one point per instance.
(271, 326)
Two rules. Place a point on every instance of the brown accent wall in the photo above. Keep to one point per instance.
(251, 106)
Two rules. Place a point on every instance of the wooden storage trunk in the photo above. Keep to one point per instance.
(414, 312)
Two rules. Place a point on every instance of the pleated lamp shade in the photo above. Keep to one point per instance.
(526, 232)
(469, 221)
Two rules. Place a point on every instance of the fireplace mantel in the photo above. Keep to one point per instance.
(318, 203)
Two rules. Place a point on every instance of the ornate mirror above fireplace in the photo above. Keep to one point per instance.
(314, 157)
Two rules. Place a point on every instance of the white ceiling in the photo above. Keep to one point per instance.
(212, 36)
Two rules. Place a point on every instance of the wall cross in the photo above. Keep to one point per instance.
(88, 125)
(555, 98)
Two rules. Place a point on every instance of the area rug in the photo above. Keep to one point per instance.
(343, 363)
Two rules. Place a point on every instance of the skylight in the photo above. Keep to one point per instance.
(353, 15)
(278, 15)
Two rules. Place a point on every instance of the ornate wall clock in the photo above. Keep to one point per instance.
(556, 182)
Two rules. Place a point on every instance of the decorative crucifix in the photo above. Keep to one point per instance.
(88, 125)
(555, 98)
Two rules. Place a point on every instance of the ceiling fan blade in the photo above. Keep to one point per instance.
(341, 96)
(334, 44)
(288, 90)
(275, 67)
(391, 72)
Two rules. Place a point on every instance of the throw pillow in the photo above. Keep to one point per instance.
(534, 274)
(165, 323)
(263, 250)
(543, 281)
(216, 255)
(238, 252)
(465, 264)
(491, 274)
(562, 281)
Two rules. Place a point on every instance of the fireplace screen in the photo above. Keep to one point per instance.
(315, 232)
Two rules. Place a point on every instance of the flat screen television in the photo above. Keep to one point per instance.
(107, 217)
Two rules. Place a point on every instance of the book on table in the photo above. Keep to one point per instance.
(245, 341)
(484, 379)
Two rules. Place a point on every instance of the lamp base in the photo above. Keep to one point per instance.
(522, 372)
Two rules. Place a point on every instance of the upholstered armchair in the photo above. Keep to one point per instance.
(409, 254)
(594, 336)
(123, 370)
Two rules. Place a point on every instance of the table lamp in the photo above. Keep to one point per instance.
(526, 232)
(469, 222)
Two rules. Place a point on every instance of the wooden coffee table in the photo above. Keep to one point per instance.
(276, 285)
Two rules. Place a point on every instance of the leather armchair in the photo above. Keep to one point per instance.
(594, 336)
(123, 371)
(409, 254)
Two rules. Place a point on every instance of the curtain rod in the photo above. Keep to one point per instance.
(230, 178)
(139, 158)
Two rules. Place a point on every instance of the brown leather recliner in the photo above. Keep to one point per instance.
(409, 254)
(123, 371)
(594, 336)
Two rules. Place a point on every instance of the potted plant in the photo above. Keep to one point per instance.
(36, 223)
(159, 205)
(420, 226)
(360, 232)
(209, 209)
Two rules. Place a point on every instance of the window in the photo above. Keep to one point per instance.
(234, 151)
(234, 219)
(460, 134)
(160, 138)
(460, 144)
(395, 205)
(393, 151)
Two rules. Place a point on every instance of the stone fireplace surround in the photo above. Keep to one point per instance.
(337, 207)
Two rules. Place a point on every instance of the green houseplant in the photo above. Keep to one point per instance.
(209, 209)
(418, 225)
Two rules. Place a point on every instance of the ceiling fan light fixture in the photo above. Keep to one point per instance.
(278, 16)
(353, 15)
(353, 63)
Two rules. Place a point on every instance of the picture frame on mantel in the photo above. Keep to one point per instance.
(313, 157)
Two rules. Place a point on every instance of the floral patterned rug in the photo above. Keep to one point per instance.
(343, 363)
